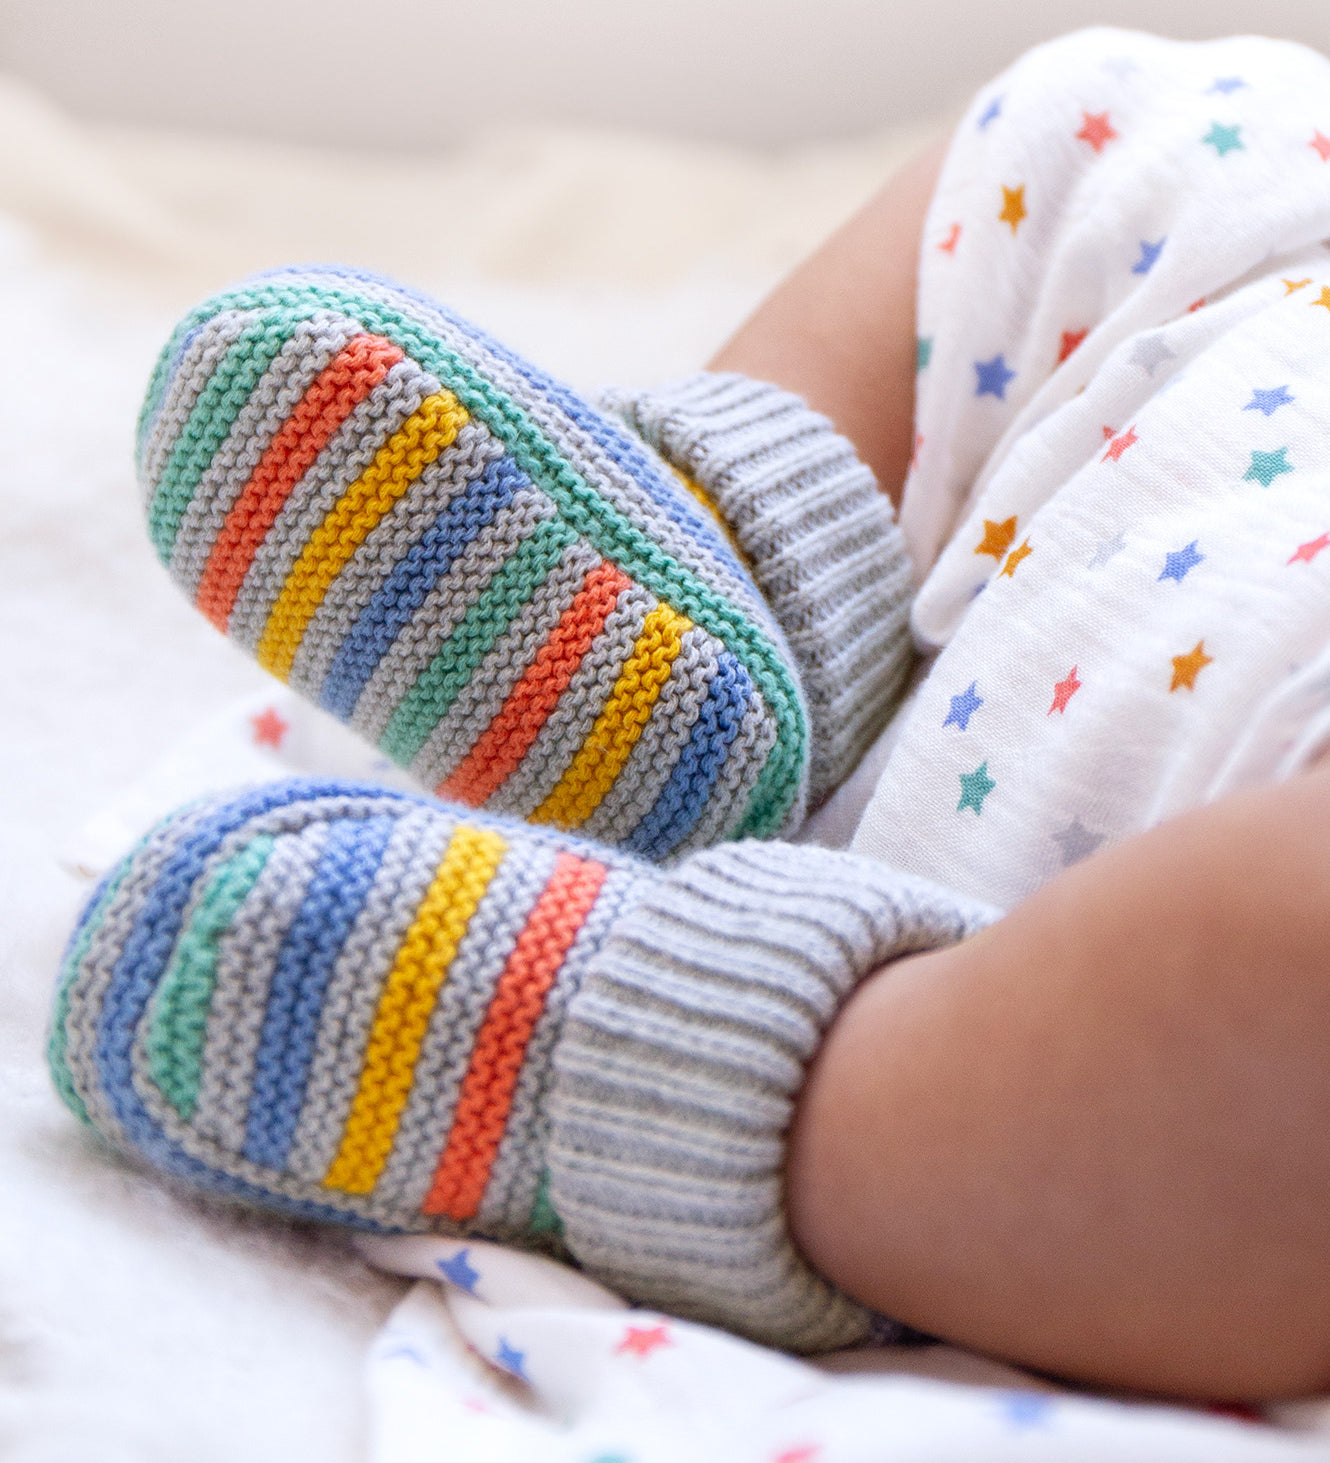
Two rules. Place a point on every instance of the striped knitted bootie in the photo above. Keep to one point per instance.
(662, 637)
(370, 1008)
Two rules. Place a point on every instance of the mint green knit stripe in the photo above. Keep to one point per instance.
(180, 1011)
(440, 683)
(603, 525)
(220, 402)
(58, 1040)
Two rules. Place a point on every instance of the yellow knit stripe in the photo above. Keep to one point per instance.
(397, 464)
(406, 1003)
(600, 758)
(700, 493)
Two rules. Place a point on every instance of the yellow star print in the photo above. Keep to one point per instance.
(1187, 667)
(1325, 297)
(1292, 286)
(1016, 557)
(1013, 206)
(997, 537)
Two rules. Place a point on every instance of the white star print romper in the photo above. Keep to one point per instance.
(1120, 500)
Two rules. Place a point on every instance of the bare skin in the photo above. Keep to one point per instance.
(1093, 1139)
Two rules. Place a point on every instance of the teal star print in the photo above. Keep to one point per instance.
(1266, 467)
(975, 787)
(923, 352)
(1224, 139)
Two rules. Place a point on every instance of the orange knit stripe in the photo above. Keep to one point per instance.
(333, 395)
(496, 1059)
(509, 736)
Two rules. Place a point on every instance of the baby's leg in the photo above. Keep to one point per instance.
(1093, 1138)
(839, 331)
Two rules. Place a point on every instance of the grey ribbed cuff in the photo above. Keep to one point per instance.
(677, 1072)
(821, 541)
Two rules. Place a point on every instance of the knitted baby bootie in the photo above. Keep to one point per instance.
(508, 592)
(370, 1008)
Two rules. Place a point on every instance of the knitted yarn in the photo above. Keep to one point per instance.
(365, 1007)
(449, 551)
(509, 593)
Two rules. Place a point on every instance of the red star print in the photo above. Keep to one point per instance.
(805, 1454)
(1064, 691)
(1308, 551)
(1195, 305)
(948, 245)
(269, 728)
(1097, 130)
(1320, 144)
(1070, 340)
(918, 445)
(1109, 433)
(1120, 444)
(643, 1340)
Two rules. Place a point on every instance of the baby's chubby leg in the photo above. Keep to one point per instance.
(839, 331)
(1092, 1139)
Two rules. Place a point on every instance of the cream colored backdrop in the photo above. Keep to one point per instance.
(421, 72)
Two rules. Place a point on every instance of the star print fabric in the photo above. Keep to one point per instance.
(508, 1356)
(1121, 486)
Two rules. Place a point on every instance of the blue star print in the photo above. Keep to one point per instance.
(1026, 1409)
(1181, 561)
(1228, 84)
(511, 1360)
(963, 707)
(1149, 255)
(1269, 401)
(993, 377)
(460, 1271)
(991, 113)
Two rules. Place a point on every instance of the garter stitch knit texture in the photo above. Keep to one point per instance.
(370, 1008)
(514, 597)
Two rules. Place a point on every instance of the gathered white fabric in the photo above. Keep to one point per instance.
(1121, 490)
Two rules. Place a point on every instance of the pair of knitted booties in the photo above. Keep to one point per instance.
(637, 641)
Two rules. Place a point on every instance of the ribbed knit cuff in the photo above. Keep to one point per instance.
(820, 539)
(679, 1065)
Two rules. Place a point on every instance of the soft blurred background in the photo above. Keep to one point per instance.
(609, 184)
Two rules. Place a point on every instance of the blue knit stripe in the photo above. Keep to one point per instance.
(415, 575)
(681, 801)
(304, 966)
(144, 957)
(614, 439)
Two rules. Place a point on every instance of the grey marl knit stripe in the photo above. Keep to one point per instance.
(408, 867)
(310, 348)
(348, 453)
(201, 358)
(442, 609)
(680, 1062)
(245, 960)
(388, 542)
(519, 1165)
(742, 766)
(490, 685)
(662, 741)
(805, 511)
(84, 1016)
(454, 1023)
(570, 723)
(572, 442)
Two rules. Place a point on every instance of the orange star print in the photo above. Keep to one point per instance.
(1013, 206)
(1187, 667)
(1015, 558)
(997, 537)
